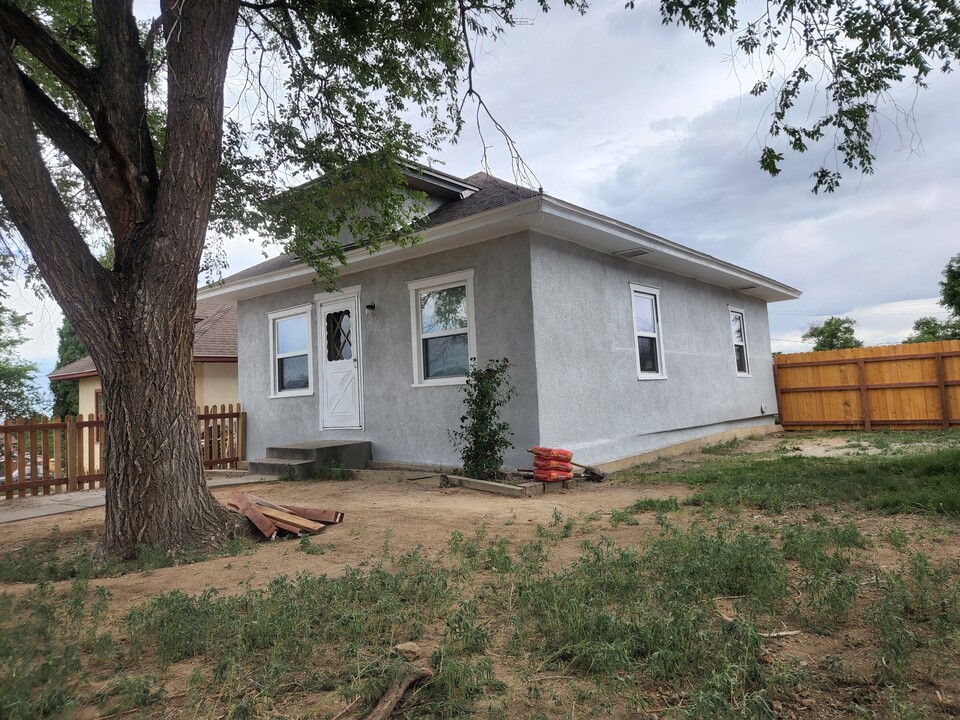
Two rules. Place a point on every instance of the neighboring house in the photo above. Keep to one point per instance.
(620, 342)
(214, 362)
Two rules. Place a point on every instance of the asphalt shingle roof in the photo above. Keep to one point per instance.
(215, 335)
(493, 193)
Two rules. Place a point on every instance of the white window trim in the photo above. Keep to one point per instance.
(272, 319)
(655, 292)
(440, 282)
(731, 309)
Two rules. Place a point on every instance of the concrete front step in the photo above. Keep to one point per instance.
(306, 458)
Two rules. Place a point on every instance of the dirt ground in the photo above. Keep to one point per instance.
(399, 515)
(408, 513)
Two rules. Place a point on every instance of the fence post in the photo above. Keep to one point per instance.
(241, 435)
(944, 398)
(776, 385)
(8, 459)
(864, 402)
(72, 448)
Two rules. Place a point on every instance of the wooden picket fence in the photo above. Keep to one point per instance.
(909, 386)
(62, 455)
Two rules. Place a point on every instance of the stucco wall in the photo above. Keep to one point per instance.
(404, 423)
(591, 401)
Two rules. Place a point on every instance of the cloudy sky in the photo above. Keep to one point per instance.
(646, 124)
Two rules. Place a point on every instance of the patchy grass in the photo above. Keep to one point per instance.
(627, 627)
(915, 482)
(569, 617)
(68, 557)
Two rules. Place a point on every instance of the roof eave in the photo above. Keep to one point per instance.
(603, 234)
(466, 231)
(544, 214)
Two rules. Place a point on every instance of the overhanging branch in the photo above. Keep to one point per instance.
(36, 207)
(62, 130)
(36, 39)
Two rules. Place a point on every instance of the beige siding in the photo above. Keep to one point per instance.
(88, 388)
(216, 383)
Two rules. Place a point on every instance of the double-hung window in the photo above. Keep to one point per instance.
(646, 326)
(291, 352)
(441, 310)
(738, 327)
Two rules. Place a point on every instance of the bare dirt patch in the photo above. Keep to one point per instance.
(400, 513)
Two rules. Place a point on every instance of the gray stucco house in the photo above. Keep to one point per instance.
(621, 342)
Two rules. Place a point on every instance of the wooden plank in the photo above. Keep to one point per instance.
(294, 529)
(45, 454)
(72, 454)
(7, 458)
(776, 385)
(264, 525)
(944, 399)
(241, 434)
(864, 401)
(267, 503)
(91, 450)
(291, 519)
(21, 457)
(230, 451)
(328, 517)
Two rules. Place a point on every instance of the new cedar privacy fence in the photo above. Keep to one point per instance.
(54, 455)
(909, 386)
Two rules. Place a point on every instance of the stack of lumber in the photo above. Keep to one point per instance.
(269, 517)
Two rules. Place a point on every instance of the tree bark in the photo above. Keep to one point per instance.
(137, 320)
(156, 491)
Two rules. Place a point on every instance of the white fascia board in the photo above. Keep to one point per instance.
(604, 234)
(459, 233)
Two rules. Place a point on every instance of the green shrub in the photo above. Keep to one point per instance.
(483, 435)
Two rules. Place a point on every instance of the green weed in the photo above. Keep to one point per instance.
(893, 484)
(722, 448)
(331, 472)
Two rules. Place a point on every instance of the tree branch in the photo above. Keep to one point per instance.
(62, 130)
(37, 209)
(41, 43)
(198, 51)
(121, 119)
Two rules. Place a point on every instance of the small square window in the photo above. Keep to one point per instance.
(738, 328)
(646, 328)
(443, 333)
(291, 352)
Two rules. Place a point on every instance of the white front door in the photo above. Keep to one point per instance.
(340, 363)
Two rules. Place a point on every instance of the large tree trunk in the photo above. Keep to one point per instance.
(156, 491)
(136, 319)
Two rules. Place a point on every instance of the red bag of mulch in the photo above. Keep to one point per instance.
(551, 475)
(546, 453)
(542, 464)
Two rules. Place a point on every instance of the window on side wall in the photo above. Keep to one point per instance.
(647, 331)
(441, 311)
(291, 351)
(738, 327)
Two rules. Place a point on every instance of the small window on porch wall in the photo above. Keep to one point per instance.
(738, 327)
(646, 326)
(443, 328)
(291, 352)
